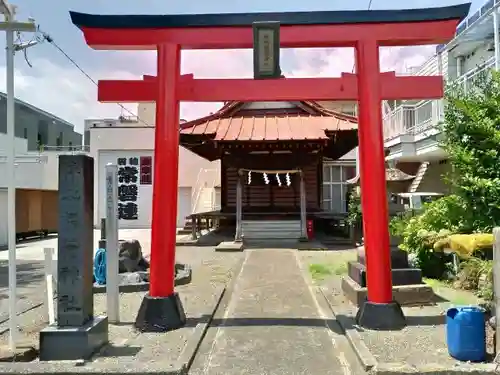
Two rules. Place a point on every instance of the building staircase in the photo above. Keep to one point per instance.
(422, 169)
(208, 200)
(205, 196)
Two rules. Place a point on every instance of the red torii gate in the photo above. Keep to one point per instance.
(366, 31)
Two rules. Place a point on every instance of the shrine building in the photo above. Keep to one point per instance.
(272, 157)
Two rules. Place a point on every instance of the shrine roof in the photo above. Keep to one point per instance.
(222, 126)
(391, 175)
(84, 20)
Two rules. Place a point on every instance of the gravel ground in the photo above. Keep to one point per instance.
(211, 271)
(422, 342)
(30, 280)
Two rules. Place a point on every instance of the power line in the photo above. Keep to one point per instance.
(44, 37)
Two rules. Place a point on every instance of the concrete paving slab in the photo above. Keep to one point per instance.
(229, 246)
(273, 324)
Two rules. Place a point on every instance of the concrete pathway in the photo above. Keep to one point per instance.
(32, 250)
(273, 324)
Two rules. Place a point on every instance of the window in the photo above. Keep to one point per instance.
(146, 166)
(335, 188)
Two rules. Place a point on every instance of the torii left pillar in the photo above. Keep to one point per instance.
(161, 310)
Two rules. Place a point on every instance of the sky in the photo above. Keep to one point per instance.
(55, 85)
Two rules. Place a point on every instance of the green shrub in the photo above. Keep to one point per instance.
(354, 208)
(477, 275)
(437, 220)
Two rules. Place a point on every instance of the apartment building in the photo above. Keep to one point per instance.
(42, 130)
(411, 127)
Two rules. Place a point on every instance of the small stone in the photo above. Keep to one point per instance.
(493, 322)
(128, 278)
(130, 256)
(20, 354)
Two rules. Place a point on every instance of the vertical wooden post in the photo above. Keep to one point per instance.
(49, 283)
(303, 213)
(112, 250)
(496, 286)
(239, 207)
(193, 228)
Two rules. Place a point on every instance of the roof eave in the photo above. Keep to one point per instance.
(84, 20)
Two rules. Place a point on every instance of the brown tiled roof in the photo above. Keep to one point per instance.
(221, 126)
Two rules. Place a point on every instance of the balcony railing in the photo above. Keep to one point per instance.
(415, 119)
(398, 121)
(76, 148)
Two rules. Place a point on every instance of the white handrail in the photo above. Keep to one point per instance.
(194, 193)
(202, 183)
(394, 122)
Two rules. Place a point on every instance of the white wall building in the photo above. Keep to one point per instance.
(129, 142)
(34, 170)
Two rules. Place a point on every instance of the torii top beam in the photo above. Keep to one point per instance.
(298, 29)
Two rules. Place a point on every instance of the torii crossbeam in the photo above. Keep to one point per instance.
(366, 31)
(286, 89)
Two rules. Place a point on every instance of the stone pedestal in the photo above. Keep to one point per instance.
(71, 343)
(77, 334)
(408, 287)
(402, 274)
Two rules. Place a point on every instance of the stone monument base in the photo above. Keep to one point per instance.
(381, 316)
(73, 343)
(405, 295)
(400, 276)
(160, 314)
(131, 282)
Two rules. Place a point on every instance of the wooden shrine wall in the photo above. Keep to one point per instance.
(259, 196)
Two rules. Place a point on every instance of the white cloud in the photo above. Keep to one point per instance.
(63, 91)
(67, 93)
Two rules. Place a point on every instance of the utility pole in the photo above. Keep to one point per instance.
(11, 26)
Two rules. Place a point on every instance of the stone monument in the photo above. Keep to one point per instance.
(77, 334)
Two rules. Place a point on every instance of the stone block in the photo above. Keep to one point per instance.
(229, 246)
(405, 295)
(400, 276)
(399, 258)
(73, 343)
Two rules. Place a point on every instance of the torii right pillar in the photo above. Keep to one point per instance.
(380, 310)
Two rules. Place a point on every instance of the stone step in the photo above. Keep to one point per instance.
(271, 229)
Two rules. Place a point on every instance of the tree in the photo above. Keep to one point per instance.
(471, 132)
